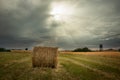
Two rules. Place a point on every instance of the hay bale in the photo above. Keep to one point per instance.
(45, 57)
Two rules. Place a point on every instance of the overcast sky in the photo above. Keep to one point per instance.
(67, 24)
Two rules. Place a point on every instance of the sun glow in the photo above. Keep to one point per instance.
(60, 10)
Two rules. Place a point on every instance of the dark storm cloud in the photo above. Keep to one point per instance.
(25, 23)
(21, 20)
(13, 42)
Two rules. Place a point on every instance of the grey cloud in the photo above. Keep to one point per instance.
(25, 23)
(13, 42)
(23, 20)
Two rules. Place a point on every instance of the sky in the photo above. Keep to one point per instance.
(67, 24)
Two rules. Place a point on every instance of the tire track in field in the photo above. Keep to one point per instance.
(114, 62)
(13, 62)
(97, 62)
(21, 60)
(108, 75)
(109, 59)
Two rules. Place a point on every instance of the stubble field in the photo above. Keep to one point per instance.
(71, 66)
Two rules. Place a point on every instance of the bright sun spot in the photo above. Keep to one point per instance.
(59, 11)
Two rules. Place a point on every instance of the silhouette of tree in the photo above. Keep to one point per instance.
(101, 47)
(77, 50)
(4, 50)
(85, 49)
(26, 48)
(119, 50)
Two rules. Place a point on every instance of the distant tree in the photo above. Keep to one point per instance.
(119, 50)
(8, 50)
(26, 48)
(77, 50)
(101, 47)
(85, 49)
(4, 50)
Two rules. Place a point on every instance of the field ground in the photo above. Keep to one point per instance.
(72, 66)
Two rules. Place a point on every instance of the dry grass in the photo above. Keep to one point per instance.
(95, 53)
(77, 66)
(45, 57)
(21, 51)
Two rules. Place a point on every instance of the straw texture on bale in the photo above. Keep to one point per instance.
(45, 57)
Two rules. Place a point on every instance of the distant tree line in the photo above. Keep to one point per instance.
(4, 50)
(119, 50)
(85, 49)
(26, 48)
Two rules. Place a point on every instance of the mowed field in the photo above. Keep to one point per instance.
(71, 66)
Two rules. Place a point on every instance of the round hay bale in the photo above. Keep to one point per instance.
(45, 57)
